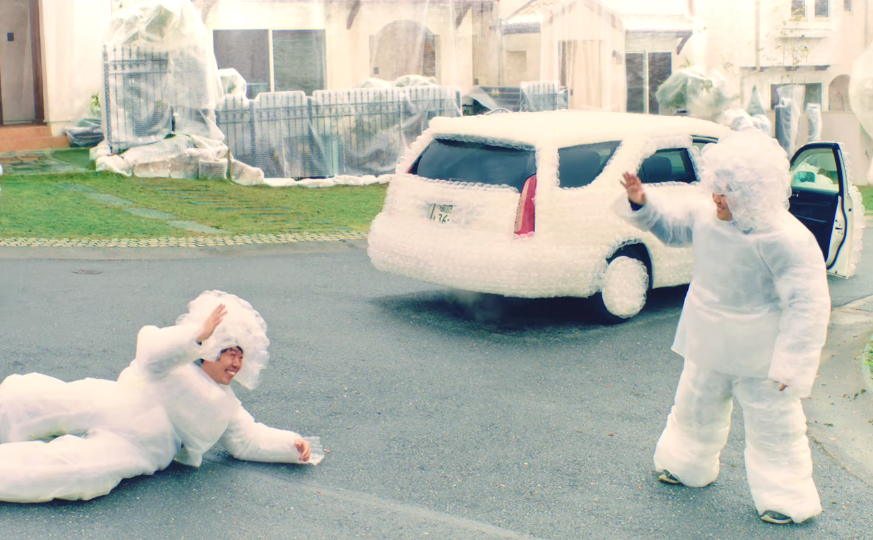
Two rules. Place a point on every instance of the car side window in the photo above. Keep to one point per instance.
(700, 142)
(579, 165)
(673, 165)
(816, 169)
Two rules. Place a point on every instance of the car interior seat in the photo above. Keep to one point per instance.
(657, 169)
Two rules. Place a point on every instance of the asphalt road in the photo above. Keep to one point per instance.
(446, 416)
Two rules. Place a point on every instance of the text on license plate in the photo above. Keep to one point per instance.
(440, 213)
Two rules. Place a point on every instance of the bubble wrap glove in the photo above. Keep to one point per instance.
(253, 441)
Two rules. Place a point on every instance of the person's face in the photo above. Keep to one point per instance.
(721, 208)
(226, 367)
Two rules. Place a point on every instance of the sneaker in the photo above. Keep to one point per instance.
(772, 516)
(668, 478)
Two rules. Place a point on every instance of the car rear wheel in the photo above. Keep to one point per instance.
(623, 288)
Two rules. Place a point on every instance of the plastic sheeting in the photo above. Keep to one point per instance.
(861, 95)
(352, 132)
(788, 116)
(160, 78)
(88, 130)
(177, 156)
(701, 96)
(813, 118)
(232, 83)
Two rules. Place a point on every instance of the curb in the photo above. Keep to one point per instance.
(185, 241)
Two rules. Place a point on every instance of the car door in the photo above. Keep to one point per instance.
(670, 173)
(821, 199)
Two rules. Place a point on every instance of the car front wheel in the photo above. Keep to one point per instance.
(623, 288)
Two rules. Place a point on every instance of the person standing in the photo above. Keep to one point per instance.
(752, 327)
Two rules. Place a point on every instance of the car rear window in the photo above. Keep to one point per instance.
(579, 165)
(464, 161)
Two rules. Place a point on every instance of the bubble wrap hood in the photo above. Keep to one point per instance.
(751, 170)
(242, 326)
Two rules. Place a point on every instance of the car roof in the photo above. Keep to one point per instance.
(570, 127)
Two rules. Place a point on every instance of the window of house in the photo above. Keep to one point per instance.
(798, 8)
(298, 61)
(645, 73)
(813, 94)
(822, 8)
(847, 6)
(636, 82)
(247, 51)
(660, 68)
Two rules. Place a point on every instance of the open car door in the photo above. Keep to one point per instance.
(822, 199)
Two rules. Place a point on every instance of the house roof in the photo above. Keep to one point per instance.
(643, 17)
(657, 23)
(648, 7)
(528, 18)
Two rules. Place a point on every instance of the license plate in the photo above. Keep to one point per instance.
(441, 213)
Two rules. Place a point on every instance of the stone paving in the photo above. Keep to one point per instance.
(35, 162)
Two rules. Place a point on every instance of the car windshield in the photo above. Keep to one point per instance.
(462, 161)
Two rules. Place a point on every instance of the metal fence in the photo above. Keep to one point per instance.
(135, 85)
(356, 131)
(543, 96)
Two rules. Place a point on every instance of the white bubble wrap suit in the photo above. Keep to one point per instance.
(78, 440)
(756, 312)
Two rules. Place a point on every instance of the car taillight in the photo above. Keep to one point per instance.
(525, 217)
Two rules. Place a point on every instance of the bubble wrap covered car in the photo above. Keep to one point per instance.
(521, 205)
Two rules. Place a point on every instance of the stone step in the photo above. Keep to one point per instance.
(23, 138)
(27, 131)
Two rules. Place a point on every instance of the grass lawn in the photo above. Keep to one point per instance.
(67, 206)
(867, 193)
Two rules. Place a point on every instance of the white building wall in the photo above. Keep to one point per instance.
(728, 43)
(72, 45)
(521, 59)
(596, 76)
(348, 51)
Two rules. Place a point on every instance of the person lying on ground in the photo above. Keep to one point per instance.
(78, 440)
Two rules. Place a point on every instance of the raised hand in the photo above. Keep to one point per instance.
(634, 187)
(211, 323)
